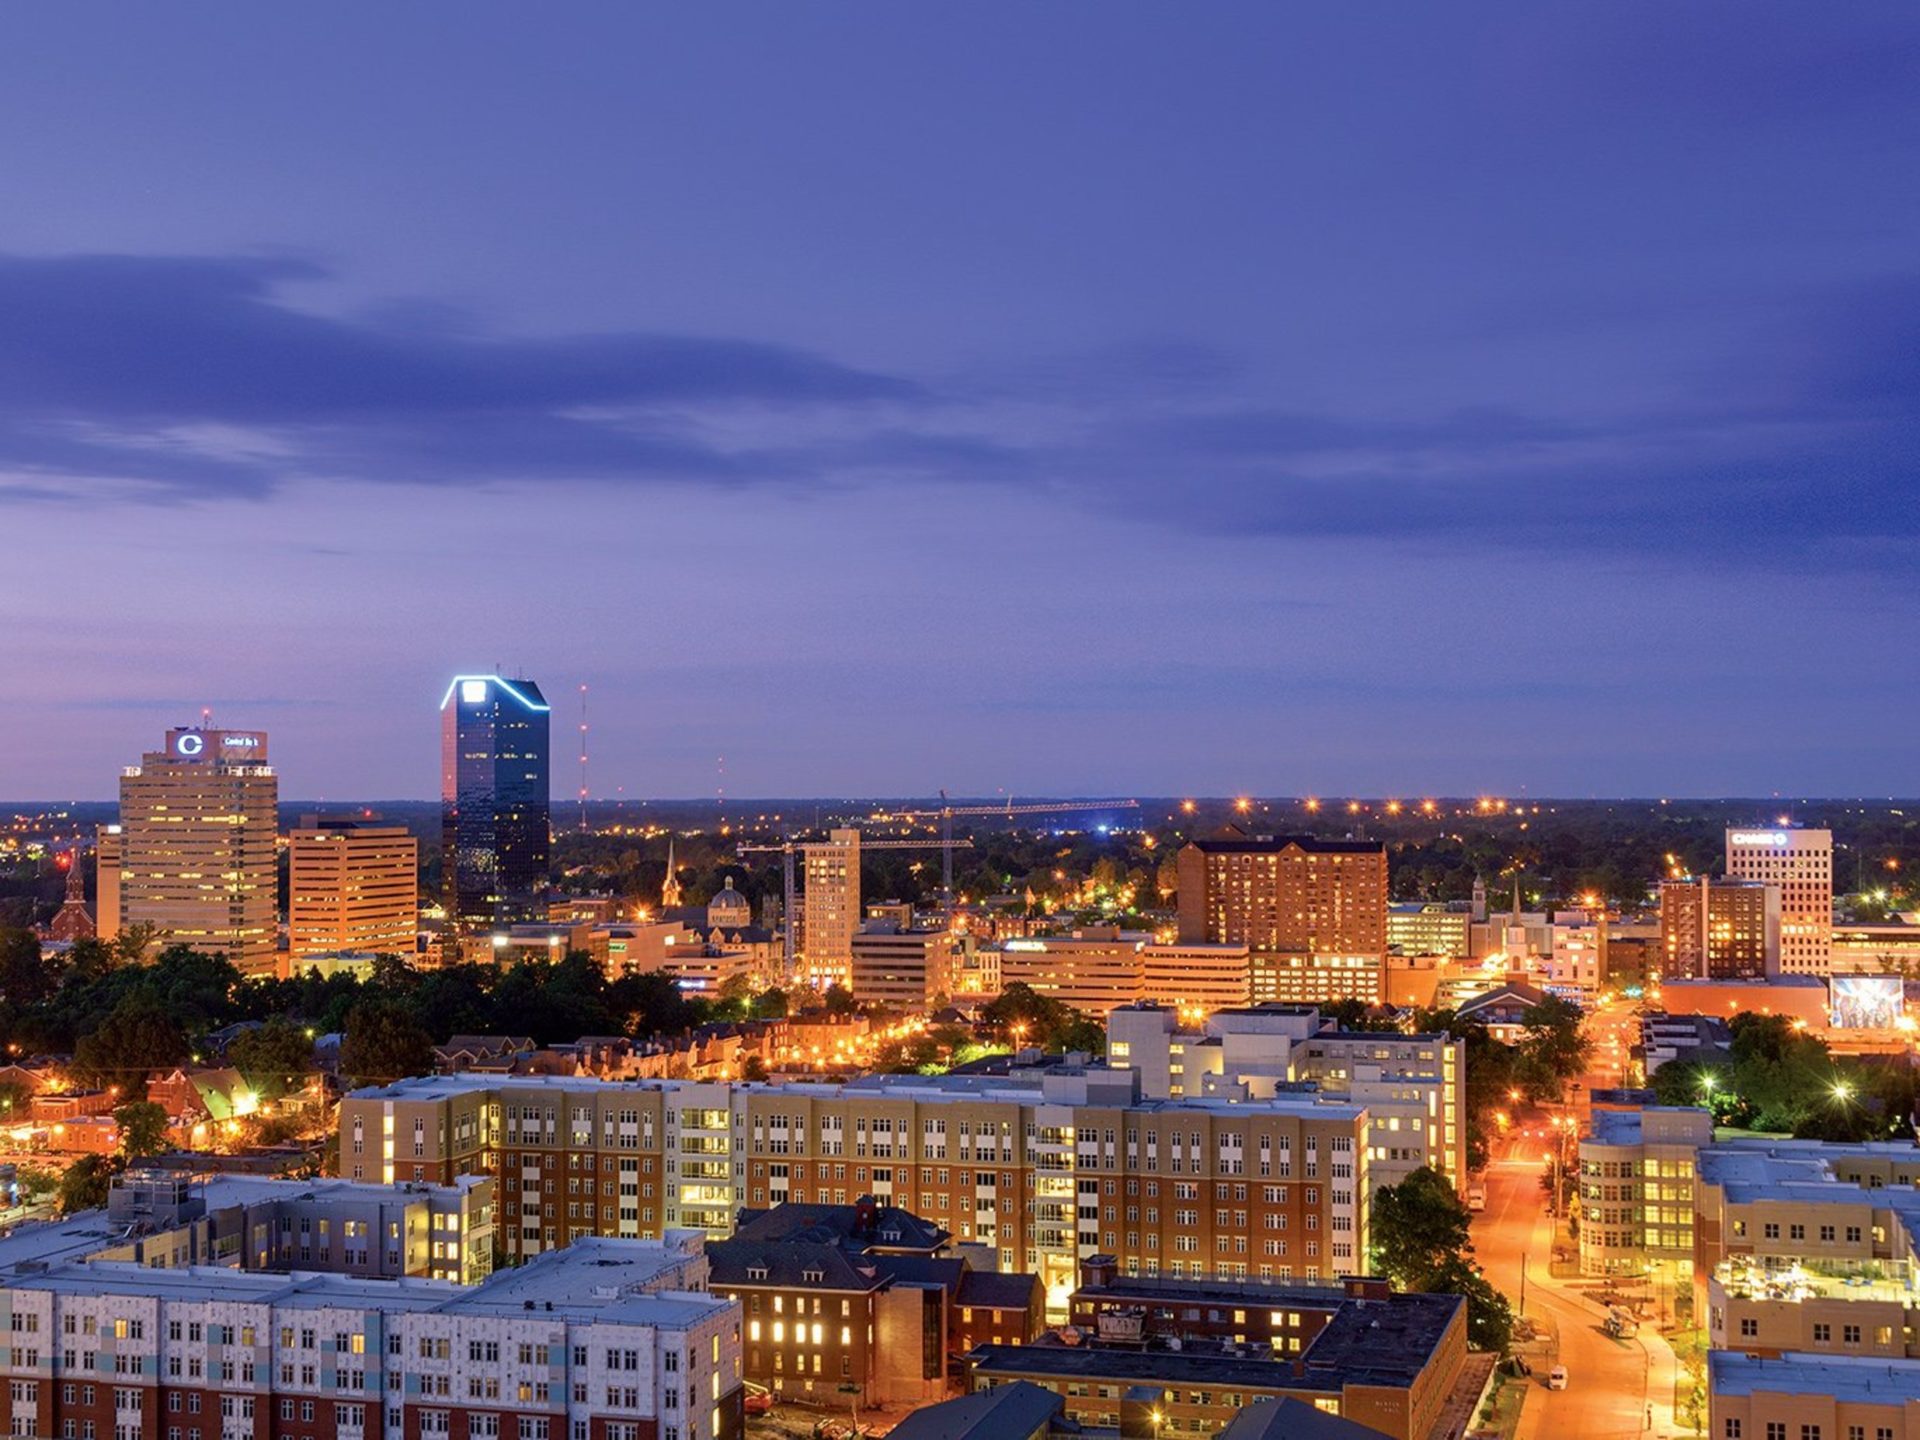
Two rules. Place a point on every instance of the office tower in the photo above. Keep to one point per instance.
(1287, 894)
(831, 891)
(198, 824)
(901, 968)
(106, 881)
(352, 886)
(493, 800)
(1719, 929)
(1800, 864)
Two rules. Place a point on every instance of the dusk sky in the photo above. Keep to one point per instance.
(1057, 398)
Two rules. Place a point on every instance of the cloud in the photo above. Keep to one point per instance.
(120, 367)
(198, 379)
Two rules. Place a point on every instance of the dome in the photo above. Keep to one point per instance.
(729, 909)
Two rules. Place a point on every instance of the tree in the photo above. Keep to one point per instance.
(753, 1068)
(35, 1183)
(85, 1184)
(839, 1000)
(138, 1037)
(1421, 1242)
(770, 1005)
(143, 1129)
(275, 1058)
(1554, 1049)
(130, 946)
(1417, 1225)
(383, 1042)
(25, 979)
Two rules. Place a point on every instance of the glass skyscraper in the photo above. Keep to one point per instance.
(494, 805)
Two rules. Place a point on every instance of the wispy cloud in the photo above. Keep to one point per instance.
(198, 379)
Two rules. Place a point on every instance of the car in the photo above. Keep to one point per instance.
(1557, 1378)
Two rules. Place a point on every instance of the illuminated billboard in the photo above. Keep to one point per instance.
(1866, 1002)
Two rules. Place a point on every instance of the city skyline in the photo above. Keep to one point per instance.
(864, 403)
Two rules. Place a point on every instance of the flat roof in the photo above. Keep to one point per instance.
(1842, 1377)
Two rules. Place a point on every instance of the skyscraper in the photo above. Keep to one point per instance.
(1799, 863)
(494, 805)
(198, 824)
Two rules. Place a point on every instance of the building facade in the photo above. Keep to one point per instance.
(1799, 864)
(1041, 1171)
(199, 823)
(353, 886)
(495, 810)
(1725, 929)
(901, 968)
(830, 914)
(1285, 894)
(611, 1343)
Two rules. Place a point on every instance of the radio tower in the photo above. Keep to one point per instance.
(583, 759)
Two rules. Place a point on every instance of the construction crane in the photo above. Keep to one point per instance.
(790, 847)
(947, 843)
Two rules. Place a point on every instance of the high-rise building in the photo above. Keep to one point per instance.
(831, 893)
(1799, 863)
(1719, 929)
(106, 881)
(1286, 894)
(198, 824)
(494, 801)
(352, 885)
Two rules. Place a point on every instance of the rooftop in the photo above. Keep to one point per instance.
(1838, 1377)
(1005, 1412)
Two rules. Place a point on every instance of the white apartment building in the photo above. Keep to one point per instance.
(610, 1340)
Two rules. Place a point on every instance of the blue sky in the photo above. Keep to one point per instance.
(866, 398)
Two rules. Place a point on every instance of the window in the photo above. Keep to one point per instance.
(1731, 1431)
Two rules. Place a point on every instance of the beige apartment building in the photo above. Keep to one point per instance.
(1043, 1171)
(830, 880)
(1807, 1247)
(1799, 864)
(1802, 1396)
(1413, 1087)
(199, 823)
(353, 885)
(1637, 1174)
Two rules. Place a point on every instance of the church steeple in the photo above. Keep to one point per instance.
(670, 890)
(75, 921)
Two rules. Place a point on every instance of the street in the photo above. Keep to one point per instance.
(1616, 1389)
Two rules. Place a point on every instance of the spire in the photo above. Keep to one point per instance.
(670, 890)
(76, 878)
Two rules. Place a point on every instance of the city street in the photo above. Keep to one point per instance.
(1606, 1394)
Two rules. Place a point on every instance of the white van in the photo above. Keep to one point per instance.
(1557, 1378)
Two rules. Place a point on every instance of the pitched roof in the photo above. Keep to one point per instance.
(790, 1265)
(1291, 1419)
(990, 1290)
(1516, 992)
(891, 1227)
(1006, 1412)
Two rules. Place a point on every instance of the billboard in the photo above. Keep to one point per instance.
(1866, 1002)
